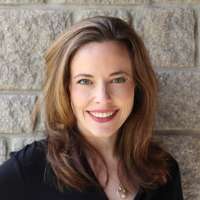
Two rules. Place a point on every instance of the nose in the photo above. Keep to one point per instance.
(102, 94)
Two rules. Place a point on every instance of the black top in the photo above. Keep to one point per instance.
(22, 177)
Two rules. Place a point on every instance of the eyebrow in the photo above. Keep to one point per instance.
(112, 74)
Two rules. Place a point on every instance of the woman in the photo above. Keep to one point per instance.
(100, 99)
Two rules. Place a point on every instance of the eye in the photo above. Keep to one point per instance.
(119, 80)
(84, 82)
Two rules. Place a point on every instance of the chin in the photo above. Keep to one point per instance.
(99, 134)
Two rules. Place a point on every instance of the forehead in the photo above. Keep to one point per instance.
(103, 57)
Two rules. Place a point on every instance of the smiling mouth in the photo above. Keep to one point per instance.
(102, 116)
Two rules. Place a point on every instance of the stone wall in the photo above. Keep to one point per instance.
(170, 29)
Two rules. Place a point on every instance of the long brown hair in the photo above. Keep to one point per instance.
(143, 161)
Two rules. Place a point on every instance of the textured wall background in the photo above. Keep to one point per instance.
(170, 29)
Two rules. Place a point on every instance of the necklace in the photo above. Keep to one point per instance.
(122, 191)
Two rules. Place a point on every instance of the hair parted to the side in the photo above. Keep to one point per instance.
(143, 161)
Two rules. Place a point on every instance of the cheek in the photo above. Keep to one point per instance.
(125, 92)
(79, 97)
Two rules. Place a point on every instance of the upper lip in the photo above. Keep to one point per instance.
(103, 110)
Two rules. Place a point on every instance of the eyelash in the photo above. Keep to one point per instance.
(120, 78)
(79, 82)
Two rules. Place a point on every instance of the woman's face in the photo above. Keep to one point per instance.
(101, 88)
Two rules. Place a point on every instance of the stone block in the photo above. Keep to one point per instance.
(56, 1)
(197, 12)
(121, 13)
(97, 2)
(168, 33)
(3, 150)
(21, 1)
(32, 138)
(18, 142)
(179, 99)
(25, 34)
(185, 148)
(15, 113)
(174, 1)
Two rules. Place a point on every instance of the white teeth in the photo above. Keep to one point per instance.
(102, 115)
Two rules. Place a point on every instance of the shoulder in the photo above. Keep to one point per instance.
(166, 159)
(22, 166)
(174, 172)
(174, 169)
(172, 189)
(31, 155)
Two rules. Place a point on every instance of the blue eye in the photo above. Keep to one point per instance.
(84, 82)
(119, 80)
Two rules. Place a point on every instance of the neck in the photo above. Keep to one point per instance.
(105, 146)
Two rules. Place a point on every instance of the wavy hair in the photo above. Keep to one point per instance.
(143, 161)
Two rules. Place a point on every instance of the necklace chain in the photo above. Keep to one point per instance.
(122, 191)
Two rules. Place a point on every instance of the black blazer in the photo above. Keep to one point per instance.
(22, 177)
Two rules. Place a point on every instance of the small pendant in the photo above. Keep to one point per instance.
(122, 192)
